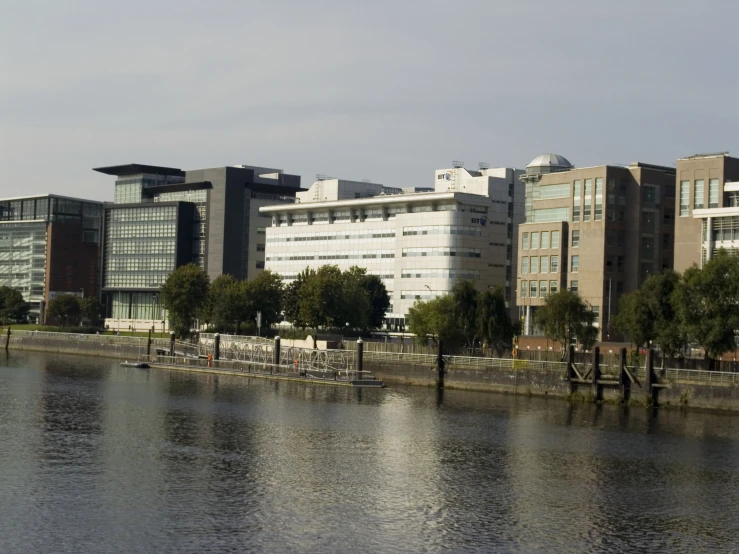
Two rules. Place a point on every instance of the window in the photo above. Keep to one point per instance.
(553, 287)
(621, 239)
(650, 195)
(609, 264)
(534, 241)
(666, 241)
(573, 286)
(647, 245)
(532, 289)
(620, 264)
(575, 238)
(261, 230)
(619, 289)
(574, 264)
(554, 191)
(684, 198)
(543, 289)
(587, 200)
(524, 289)
(598, 199)
(699, 194)
(544, 264)
(545, 240)
(647, 269)
(647, 221)
(713, 193)
(546, 215)
(554, 265)
(525, 265)
(534, 264)
(596, 314)
(576, 200)
(525, 241)
(555, 239)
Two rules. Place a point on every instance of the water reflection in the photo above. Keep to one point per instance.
(98, 457)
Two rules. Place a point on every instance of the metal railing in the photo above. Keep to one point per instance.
(466, 361)
(81, 337)
(702, 376)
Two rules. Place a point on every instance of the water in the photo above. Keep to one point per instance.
(99, 458)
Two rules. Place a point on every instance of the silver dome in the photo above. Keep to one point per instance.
(551, 160)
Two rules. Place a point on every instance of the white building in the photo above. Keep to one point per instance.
(420, 243)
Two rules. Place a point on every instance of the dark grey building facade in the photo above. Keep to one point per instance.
(164, 217)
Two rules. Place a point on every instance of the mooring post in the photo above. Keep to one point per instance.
(148, 345)
(171, 344)
(440, 365)
(276, 353)
(649, 375)
(7, 340)
(570, 368)
(597, 388)
(624, 377)
(217, 347)
(360, 357)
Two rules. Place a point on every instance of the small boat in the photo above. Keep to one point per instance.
(140, 365)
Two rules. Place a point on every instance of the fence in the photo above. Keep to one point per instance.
(460, 362)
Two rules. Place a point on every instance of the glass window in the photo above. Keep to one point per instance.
(684, 198)
(647, 245)
(598, 199)
(575, 238)
(525, 241)
(647, 220)
(596, 314)
(576, 189)
(553, 287)
(525, 265)
(546, 215)
(545, 240)
(532, 289)
(620, 264)
(713, 193)
(699, 194)
(524, 289)
(554, 191)
(573, 285)
(555, 239)
(587, 200)
(534, 241)
(543, 289)
(574, 264)
(534, 264)
(544, 264)
(554, 264)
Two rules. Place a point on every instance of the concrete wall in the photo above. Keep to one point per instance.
(128, 349)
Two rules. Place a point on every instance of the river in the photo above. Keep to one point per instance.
(95, 457)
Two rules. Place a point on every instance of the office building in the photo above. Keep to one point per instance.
(599, 231)
(165, 217)
(49, 245)
(419, 241)
(707, 208)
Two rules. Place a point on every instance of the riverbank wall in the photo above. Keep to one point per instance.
(684, 389)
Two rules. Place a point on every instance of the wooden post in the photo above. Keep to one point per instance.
(217, 347)
(597, 388)
(171, 344)
(624, 377)
(570, 368)
(7, 340)
(360, 357)
(440, 366)
(649, 376)
(276, 353)
(148, 345)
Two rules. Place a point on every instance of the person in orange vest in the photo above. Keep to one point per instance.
(210, 358)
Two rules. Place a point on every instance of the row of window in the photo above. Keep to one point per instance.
(142, 230)
(537, 240)
(160, 213)
(440, 274)
(539, 264)
(377, 254)
(442, 251)
(538, 289)
(340, 235)
(467, 230)
(699, 195)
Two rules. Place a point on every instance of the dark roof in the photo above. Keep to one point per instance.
(135, 169)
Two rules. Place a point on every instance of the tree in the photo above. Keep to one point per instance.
(658, 294)
(184, 293)
(707, 303)
(493, 322)
(264, 294)
(91, 308)
(226, 303)
(466, 300)
(12, 305)
(371, 286)
(291, 298)
(321, 298)
(379, 300)
(436, 319)
(564, 317)
(65, 308)
(634, 319)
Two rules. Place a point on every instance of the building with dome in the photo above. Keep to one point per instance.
(599, 231)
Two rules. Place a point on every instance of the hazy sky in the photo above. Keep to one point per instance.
(384, 90)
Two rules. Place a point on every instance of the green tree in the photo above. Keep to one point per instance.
(184, 293)
(12, 305)
(374, 290)
(91, 309)
(658, 291)
(321, 298)
(493, 321)
(64, 309)
(634, 319)
(291, 298)
(564, 317)
(435, 319)
(226, 303)
(707, 302)
(264, 294)
(466, 299)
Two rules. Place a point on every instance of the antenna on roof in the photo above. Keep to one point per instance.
(456, 164)
(483, 165)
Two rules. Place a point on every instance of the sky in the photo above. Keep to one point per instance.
(382, 90)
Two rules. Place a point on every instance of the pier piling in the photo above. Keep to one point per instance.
(171, 344)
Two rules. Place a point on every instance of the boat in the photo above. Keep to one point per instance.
(140, 365)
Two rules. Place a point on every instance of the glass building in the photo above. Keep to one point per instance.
(164, 217)
(49, 245)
